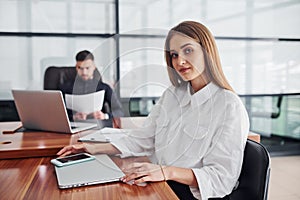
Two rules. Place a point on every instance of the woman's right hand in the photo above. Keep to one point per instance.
(71, 149)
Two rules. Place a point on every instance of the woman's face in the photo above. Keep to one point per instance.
(187, 57)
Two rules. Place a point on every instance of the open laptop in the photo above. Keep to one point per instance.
(45, 110)
(100, 170)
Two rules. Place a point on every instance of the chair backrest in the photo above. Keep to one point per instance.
(253, 181)
(58, 75)
(255, 174)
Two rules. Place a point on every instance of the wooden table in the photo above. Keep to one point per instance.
(254, 136)
(33, 143)
(34, 178)
(26, 171)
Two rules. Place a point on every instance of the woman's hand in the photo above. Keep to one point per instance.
(143, 172)
(71, 149)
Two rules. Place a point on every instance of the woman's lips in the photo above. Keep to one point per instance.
(184, 70)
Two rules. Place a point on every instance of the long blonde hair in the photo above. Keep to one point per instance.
(203, 36)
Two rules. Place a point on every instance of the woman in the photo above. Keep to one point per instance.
(195, 135)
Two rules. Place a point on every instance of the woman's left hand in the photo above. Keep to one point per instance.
(142, 172)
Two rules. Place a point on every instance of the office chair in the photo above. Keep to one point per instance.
(253, 182)
(276, 109)
(58, 75)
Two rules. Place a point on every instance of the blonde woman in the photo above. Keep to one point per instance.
(195, 135)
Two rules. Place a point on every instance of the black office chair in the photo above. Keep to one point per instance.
(58, 75)
(253, 182)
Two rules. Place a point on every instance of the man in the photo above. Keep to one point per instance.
(89, 80)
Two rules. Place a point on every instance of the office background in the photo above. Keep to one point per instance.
(258, 41)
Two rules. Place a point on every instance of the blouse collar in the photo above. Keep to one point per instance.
(200, 96)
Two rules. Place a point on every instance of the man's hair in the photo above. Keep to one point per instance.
(84, 55)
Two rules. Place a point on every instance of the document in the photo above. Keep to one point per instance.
(104, 135)
(85, 103)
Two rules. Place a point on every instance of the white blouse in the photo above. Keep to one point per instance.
(205, 131)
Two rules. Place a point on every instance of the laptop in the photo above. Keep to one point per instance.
(45, 110)
(100, 170)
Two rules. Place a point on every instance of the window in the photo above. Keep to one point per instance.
(258, 41)
(42, 33)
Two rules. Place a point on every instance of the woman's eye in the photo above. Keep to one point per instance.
(188, 50)
(174, 55)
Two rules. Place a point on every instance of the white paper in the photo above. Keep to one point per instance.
(108, 130)
(104, 135)
(85, 103)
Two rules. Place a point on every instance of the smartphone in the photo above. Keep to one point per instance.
(72, 159)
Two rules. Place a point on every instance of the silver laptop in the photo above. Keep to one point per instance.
(100, 170)
(45, 110)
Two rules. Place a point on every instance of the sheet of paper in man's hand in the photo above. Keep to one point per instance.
(86, 103)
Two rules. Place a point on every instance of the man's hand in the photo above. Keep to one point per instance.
(80, 116)
(84, 116)
(98, 115)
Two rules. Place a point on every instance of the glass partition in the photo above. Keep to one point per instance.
(274, 114)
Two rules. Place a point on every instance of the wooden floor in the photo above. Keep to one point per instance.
(285, 178)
